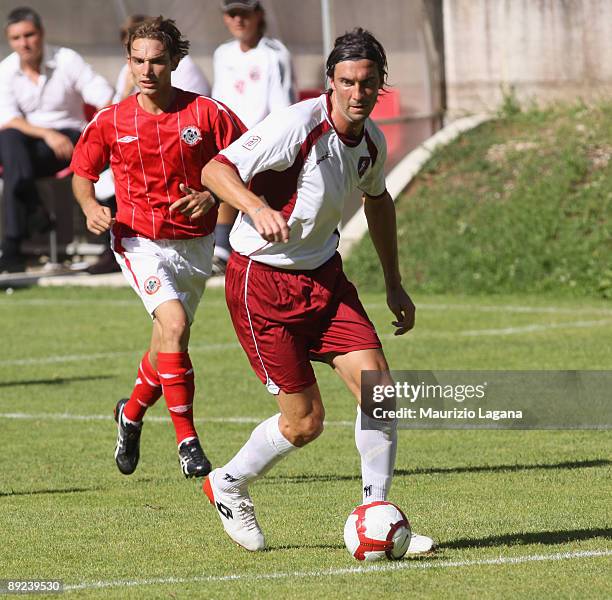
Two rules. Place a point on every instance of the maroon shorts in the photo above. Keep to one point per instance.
(284, 319)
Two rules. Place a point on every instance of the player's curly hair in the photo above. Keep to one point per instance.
(162, 30)
(358, 44)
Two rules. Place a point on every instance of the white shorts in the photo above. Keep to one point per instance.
(163, 270)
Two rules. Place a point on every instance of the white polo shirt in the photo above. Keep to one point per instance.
(255, 82)
(56, 100)
(297, 161)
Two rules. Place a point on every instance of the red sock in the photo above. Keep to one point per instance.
(176, 375)
(146, 393)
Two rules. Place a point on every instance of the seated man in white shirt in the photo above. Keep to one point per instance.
(42, 91)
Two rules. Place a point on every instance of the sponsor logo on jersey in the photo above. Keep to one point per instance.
(126, 139)
(152, 284)
(191, 135)
(251, 142)
(239, 86)
(324, 157)
(363, 164)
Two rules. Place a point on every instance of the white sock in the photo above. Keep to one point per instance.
(266, 446)
(377, 450)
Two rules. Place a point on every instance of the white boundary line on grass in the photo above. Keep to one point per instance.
(399, 566)
(151, 418)
(534, 328)
(511, 308)
(234, 345)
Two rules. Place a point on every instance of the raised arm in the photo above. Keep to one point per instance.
(380, 214)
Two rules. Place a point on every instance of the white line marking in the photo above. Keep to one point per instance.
(389, 336)
(46, 360)
(151, 418)
(398, 566)
(46, 302)
(508, 308)
(506, 330)
(234, 345)
(17, 302)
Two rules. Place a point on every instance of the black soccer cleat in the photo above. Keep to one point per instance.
(192, 459)
(127, 450)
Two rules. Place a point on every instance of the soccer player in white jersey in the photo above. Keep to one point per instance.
(253, 76)
(157, 143)
(288, 297)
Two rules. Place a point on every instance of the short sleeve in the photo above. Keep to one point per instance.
(272, 144)
(224, 124)
(91, 154)
(373, 184)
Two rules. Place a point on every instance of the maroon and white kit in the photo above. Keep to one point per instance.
(291, 303)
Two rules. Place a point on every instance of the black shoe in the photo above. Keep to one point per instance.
(12, 263)
(106, 264)
(127, 451)
(192, 459)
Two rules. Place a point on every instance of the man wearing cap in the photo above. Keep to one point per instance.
(253, 76)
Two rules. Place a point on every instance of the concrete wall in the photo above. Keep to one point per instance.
(547, 49)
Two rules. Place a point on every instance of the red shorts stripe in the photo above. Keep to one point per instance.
(284, 319)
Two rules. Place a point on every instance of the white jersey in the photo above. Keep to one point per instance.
(253, 83)
(187, 76)
(297, 161)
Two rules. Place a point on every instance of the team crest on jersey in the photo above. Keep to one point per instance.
(363, 164)
(251, 142)
(191, 135)
(255, 74)
(152, 284)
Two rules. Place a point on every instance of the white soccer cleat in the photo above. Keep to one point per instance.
(237, 514)
(420, 544)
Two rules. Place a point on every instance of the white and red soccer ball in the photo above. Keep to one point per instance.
(376, 531)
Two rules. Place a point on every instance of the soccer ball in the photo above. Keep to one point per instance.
(377, 530)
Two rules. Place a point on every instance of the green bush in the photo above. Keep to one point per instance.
(520, 204)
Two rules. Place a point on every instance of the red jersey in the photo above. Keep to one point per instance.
(151, 155)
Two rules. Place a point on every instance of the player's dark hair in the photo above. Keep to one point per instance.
(358, 44)
(162, 30)
(24, 13)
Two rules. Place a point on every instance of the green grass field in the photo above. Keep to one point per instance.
(517, 514)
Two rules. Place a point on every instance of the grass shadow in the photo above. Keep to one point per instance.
(322, 477)
(535, 537)
(54, 381)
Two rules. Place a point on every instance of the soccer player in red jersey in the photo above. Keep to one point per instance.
(288, 297)
(157, 143)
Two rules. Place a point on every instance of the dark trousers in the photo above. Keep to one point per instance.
(24, 159)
